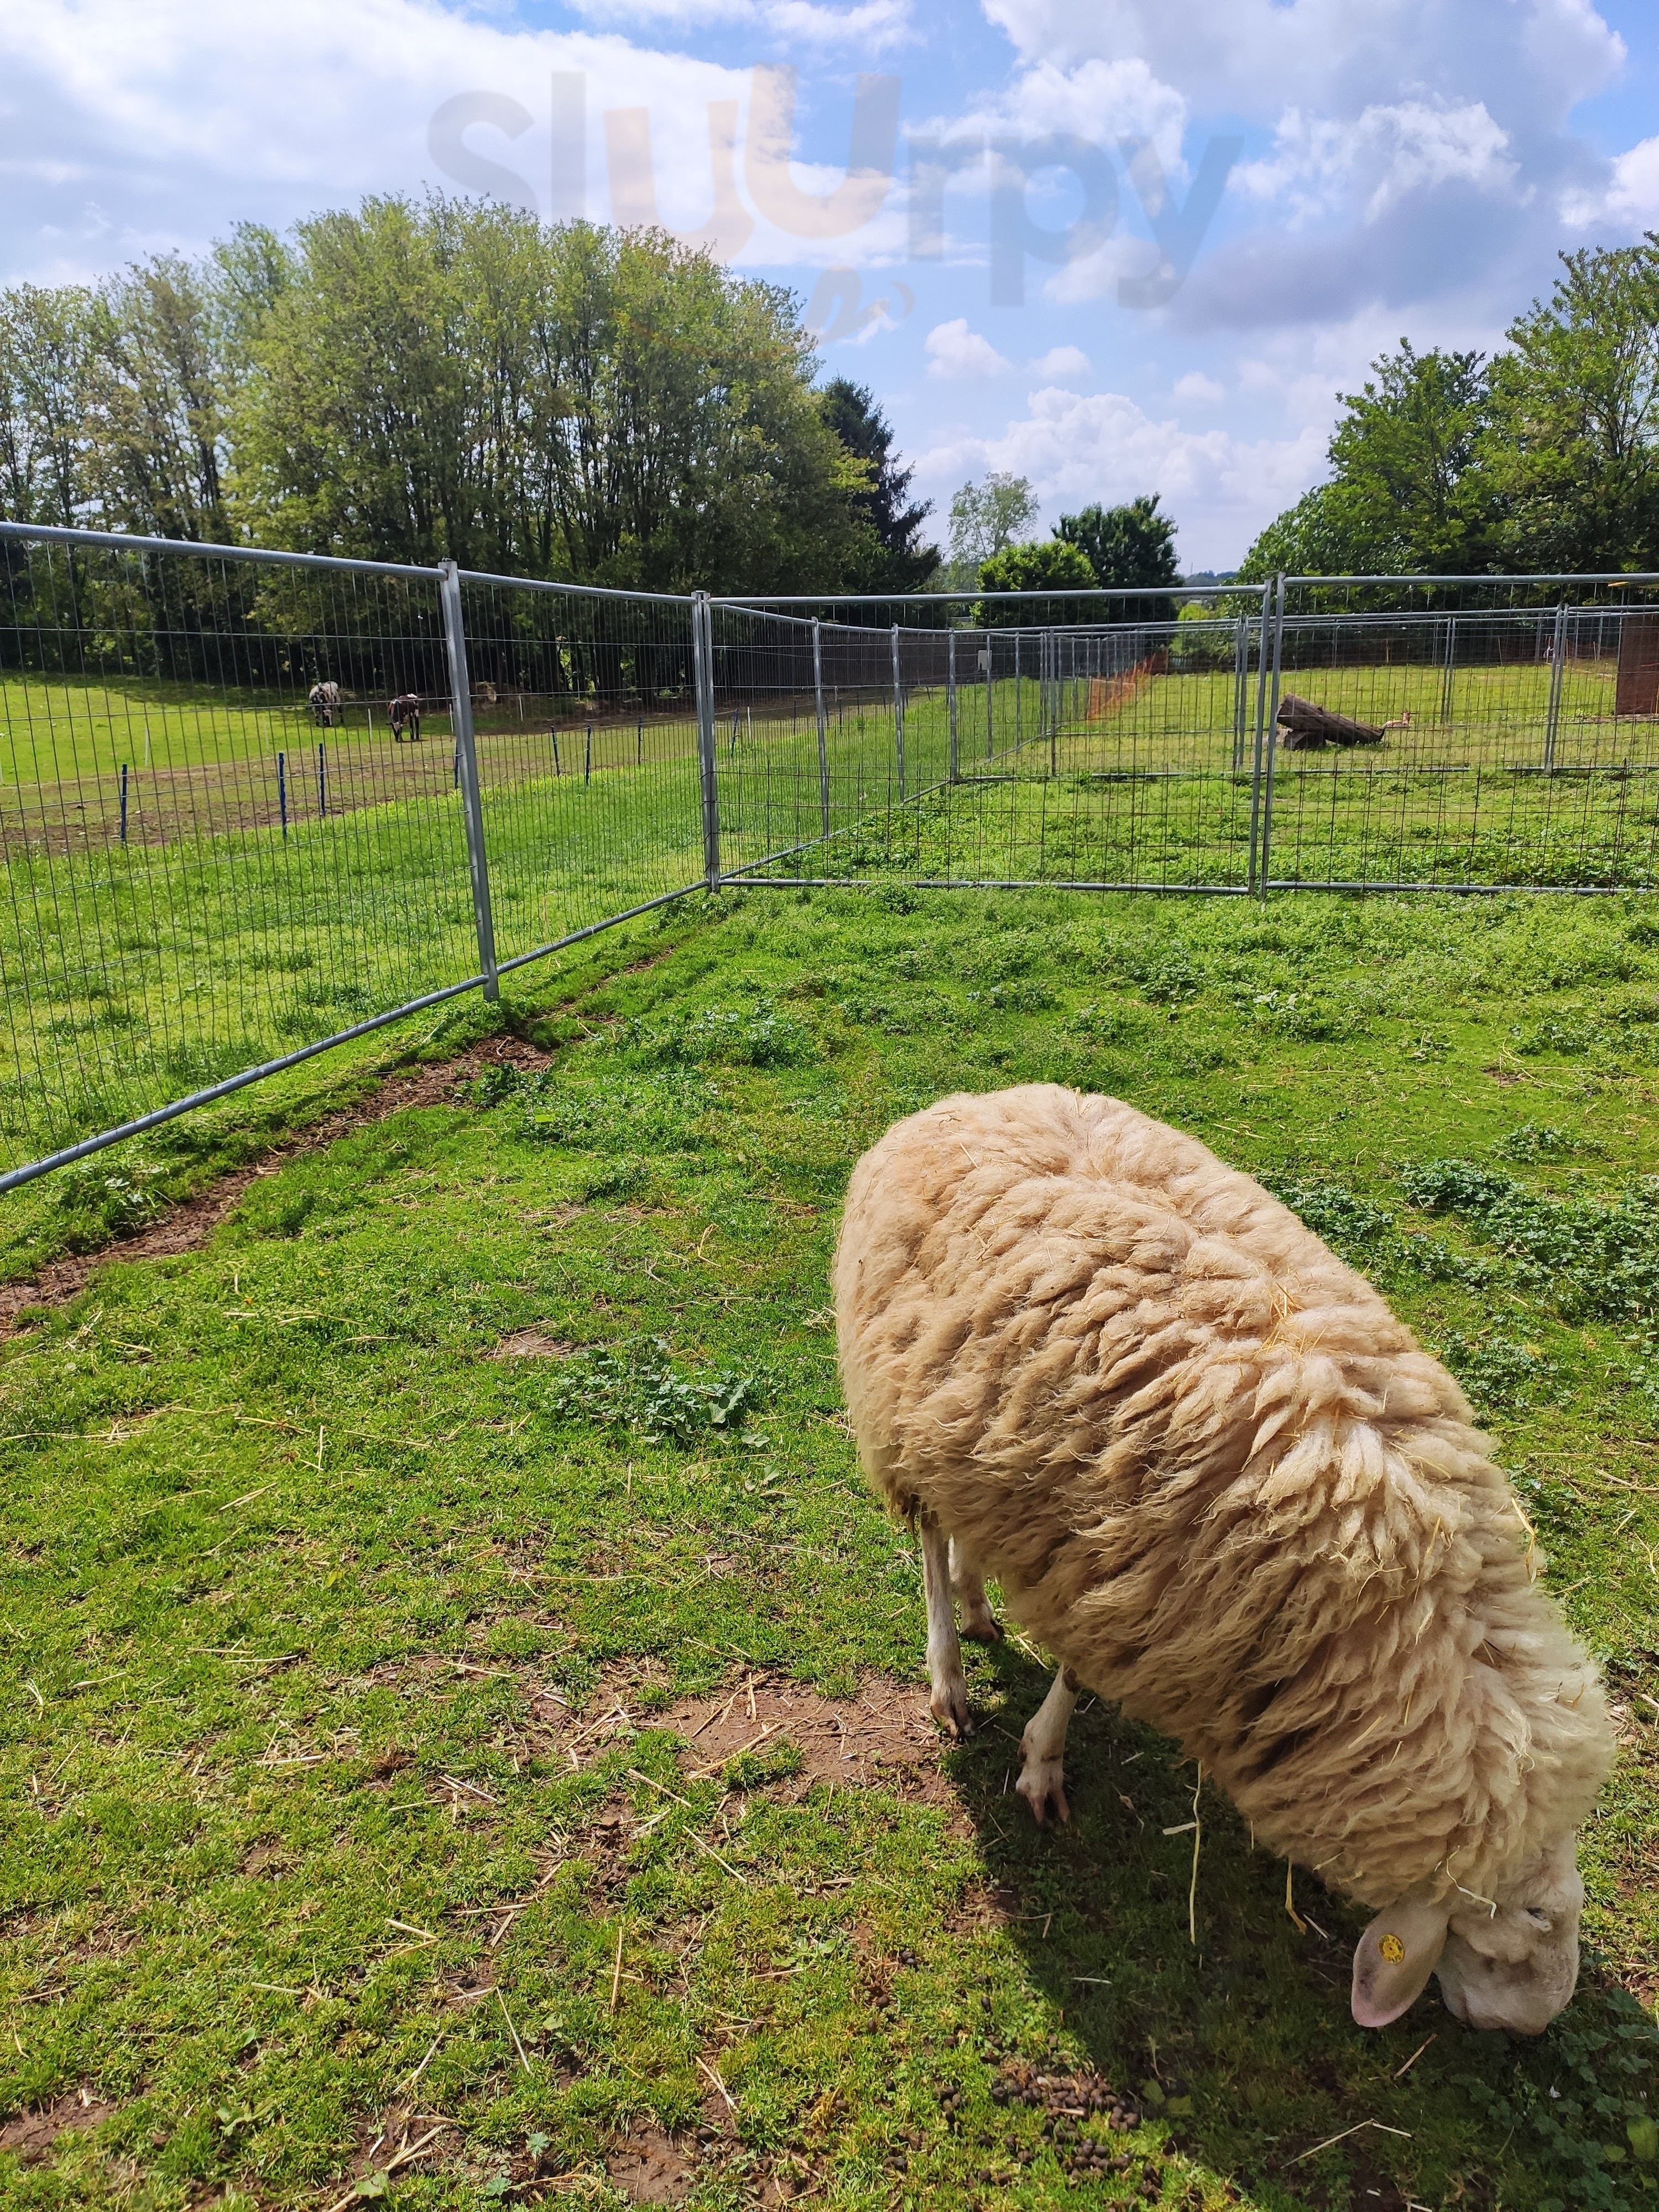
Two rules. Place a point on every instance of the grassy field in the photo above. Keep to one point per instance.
(80, 729)
(218, 936)
(462, 1706)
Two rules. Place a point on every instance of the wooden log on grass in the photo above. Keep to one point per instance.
(1308, 728)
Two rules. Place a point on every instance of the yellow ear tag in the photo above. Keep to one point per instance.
(1392, 1949)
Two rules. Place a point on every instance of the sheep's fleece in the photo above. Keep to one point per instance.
(1228, 1489)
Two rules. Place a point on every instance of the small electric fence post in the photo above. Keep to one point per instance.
(282, 793)
(322, 779)
(123, 802)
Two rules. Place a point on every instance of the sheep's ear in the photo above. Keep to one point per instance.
(1393, 1960)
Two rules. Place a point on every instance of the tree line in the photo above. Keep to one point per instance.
(1116, 548)
(1544, 458)
(417, 381)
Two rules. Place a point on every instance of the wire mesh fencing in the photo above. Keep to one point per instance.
(1503, 734)
(254, 804)
(1000, 740)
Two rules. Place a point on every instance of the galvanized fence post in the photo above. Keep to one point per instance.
(990, 714)
(950, 699)
(824, 738)
(898, 708)
(1447, 700)
(466, 771)
(702, 657)
(1267, 731)
(1054, 740)
(1558, 671)
(1240, 688)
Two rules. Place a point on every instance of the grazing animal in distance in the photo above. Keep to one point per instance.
(1227, 1488)
(405, 714)
(323, 700)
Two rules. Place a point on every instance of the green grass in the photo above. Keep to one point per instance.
(301, 1587)
(214, 938)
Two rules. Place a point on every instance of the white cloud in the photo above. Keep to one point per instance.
(1324, 164)
(954, 350)
(1102, 447)
(1101, 102)
(872, 24)
(1254, 58)
(1630, 196)
(190, 115)
(1062, 360)
(1197, 389)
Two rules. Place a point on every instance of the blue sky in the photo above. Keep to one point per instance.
(1325, 176)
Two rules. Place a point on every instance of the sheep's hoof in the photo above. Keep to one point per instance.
(1042, 1784)
(980, 1625)
(949, 1706)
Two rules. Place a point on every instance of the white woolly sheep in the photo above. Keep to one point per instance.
(1221, 1482)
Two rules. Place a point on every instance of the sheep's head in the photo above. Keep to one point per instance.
(1513, 1967)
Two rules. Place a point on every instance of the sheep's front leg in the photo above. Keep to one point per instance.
(968, 1585)
(1042, 1750)
(949, 1701)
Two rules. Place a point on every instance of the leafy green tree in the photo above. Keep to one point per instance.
(985, 520)
(1046, 564)
(451, 379)
(1407, 493)
(1411, 490)
(893, 558)
(1203, 637)
(157, 456)
(1131, 544)
(49, 342)
(1306, 540)
(1572, 442)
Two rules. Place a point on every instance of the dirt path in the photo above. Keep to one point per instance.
(187, 1225)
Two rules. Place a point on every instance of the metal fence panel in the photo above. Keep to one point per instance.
(252, 803)
(215, 853)
(1506, 741)
(584, 709)
(1104, 754)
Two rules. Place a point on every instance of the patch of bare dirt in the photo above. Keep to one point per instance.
(651, 2168)
(267, 1858)
(401, 2140)
(1504, 1076)
(187, 1226)
(886, 1736)
(32, 2135)
(532, 1343)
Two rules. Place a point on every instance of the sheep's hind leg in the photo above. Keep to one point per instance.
(949, 1701)
(968, 1586)
(1042, 1750)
